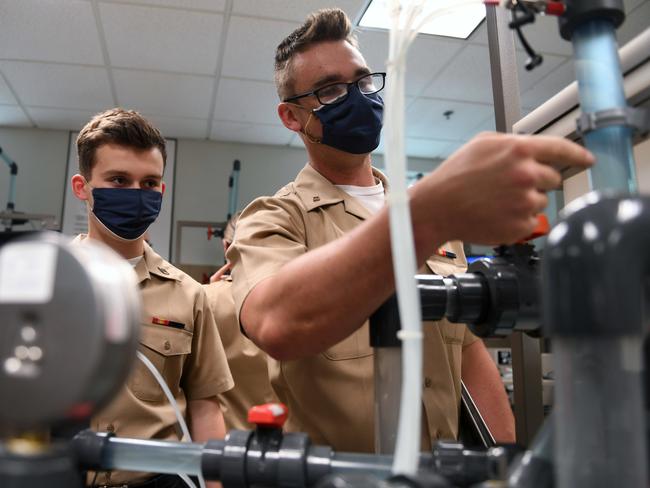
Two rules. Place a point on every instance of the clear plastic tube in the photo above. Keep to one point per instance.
(600, 87)
(177, 411)
(407, 17)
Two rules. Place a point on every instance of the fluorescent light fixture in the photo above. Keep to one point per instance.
(452, 21)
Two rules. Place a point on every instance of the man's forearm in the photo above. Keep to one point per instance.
(481, 377)
(206, 420)
(323, 296)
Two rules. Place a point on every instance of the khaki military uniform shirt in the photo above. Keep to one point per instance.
(331, 395)
(179, 336)
(247, 363)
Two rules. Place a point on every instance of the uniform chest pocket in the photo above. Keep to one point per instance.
(167, 348)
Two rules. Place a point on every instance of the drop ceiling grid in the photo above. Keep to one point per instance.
(155, 46)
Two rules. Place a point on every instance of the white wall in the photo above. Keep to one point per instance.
(41, 156)
(202, 172)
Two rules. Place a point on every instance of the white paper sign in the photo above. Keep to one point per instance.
(27, 272)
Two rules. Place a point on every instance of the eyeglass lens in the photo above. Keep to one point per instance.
(367, 85)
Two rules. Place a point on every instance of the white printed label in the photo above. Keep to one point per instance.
(27, 272)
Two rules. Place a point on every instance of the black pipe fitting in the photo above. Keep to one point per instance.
(384, 324)
(90, 449)
(580, 11)
(595, 267)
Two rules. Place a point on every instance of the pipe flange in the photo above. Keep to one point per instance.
(635, 118)
(233, 462)
(292, 460)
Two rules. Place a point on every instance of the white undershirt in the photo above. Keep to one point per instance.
(371, 197)
(134, 261)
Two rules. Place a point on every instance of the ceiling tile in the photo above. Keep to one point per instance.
(425, 119)
(549, 86)
(251, 133)
(247, 101)
(163, 93)
(211, 5)
(13, 116)
(488, 124)
(55, 85)
(246, 59)
(466, 78)
(179, 127)
(52, 118)
(528, 79)
(6, 97)
(162, 39)
(49, 30)
(427, 56)
(296, 10)
(479, 36)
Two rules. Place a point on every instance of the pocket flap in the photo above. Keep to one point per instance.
(166, 340)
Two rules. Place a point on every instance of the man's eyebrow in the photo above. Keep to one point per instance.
(338, 77)
(117, 172)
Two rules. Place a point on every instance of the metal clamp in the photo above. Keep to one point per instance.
(636, 118)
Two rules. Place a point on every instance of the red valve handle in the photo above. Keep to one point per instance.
(268, 415)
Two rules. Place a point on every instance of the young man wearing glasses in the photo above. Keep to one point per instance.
(312, 263)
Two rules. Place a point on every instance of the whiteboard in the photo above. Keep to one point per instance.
(75, 217)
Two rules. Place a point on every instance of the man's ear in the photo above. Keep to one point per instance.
(79, 187)
(287, 114)
(163, 187)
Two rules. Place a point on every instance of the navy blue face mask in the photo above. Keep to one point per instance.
(126, 212)
(354, 124)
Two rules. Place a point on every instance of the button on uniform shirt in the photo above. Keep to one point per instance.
(247, 362)
(179, 336)
(331, 395)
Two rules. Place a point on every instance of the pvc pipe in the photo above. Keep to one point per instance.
(600, 85)
(163, 457)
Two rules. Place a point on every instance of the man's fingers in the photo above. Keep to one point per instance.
(558, 152)
(547, 178)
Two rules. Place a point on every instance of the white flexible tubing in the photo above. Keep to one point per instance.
(179, 417)
(406, 19)
(403, 251)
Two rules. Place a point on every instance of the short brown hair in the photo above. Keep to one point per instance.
(120, 127)
(330, 24)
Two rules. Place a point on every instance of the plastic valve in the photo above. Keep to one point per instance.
(268, 415)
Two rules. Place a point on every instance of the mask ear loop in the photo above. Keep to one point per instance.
(310, 138)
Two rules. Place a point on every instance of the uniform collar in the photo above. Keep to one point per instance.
(316, 191)
(151, 263)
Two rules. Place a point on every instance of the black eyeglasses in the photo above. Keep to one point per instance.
(336, 92)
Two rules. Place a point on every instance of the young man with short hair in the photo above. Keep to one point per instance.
(121, 163)
(313, 262)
